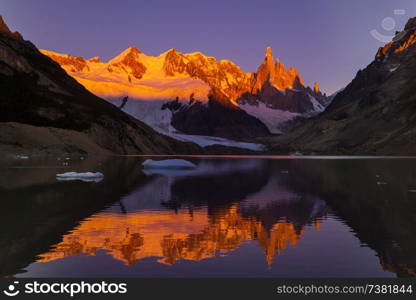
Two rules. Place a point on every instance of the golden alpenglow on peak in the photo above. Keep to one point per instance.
(269, 52)
(316, 87)
(190, 78)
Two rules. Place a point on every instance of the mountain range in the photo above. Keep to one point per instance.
(45, 111)
(197, 94)
(167, 104)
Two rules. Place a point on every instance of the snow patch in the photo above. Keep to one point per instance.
(272, 118)
(394, 69)
(205, 141)
(318, 107)
(149, 112)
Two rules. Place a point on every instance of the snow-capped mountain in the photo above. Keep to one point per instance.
(131, 74)
(46, 112)
(198, 94)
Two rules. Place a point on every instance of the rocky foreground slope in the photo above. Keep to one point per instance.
(374, 114)
(43, 110)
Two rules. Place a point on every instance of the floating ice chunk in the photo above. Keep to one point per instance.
(87, 177)
(168, 164)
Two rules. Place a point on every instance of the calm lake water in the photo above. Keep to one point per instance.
(229, 217)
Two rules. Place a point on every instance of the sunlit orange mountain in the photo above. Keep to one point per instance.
(173, 74)
(172, 236)
(44, 111)
(274, 95)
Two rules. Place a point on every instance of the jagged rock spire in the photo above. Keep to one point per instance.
(3, 26)
(5, 29)
(316, 88)
(269, 52)
(276, 74)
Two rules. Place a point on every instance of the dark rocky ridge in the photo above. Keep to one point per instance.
(374, 114)
(216, 118)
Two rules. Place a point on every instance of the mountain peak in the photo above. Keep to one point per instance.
(316, 88)
(269, 52)
(411, 24)
(401, 42)
(129, 50)
(95, 59)
(170, 52)
(133, 49)
(3, 26)
(128, 53)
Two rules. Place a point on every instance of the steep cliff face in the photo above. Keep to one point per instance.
(276, 74)
(282, 89)
(223, 77)
(43, 110)
(375, 113)
(215, 119)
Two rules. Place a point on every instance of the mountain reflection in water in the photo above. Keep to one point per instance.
(304, 216)
(138, 228)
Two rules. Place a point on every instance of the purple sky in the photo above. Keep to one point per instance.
(326, 40)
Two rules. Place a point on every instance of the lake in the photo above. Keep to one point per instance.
(228, 217)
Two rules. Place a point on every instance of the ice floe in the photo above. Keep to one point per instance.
(86, 177)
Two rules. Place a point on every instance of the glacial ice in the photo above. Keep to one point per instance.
(150, 112)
